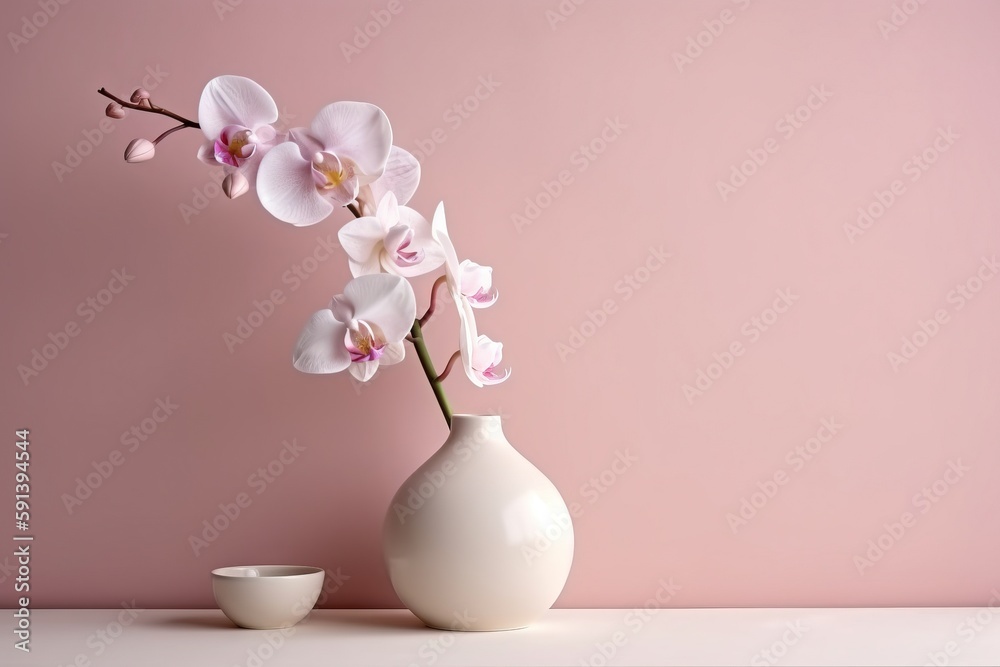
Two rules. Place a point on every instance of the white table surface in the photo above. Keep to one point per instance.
(193, 638)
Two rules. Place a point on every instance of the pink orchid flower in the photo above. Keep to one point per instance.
(468, 338)
(236, 114)
(473, 281)
(476, 284)
(324, 166)
(486, 356)
(362, 329)
(396, 239)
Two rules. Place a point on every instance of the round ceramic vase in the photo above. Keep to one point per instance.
(478, 538)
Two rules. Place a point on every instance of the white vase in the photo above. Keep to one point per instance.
(478, 538)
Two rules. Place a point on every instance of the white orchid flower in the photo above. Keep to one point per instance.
(323, 167)
(396, 239)
(362, 329)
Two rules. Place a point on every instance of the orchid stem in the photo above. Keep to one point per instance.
(417, 338)
(433, 304)
(428, 366)
(168, 133)
(151, 109)
(447, 369)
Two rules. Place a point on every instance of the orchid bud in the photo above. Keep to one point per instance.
(138, 95)
(114, 110)
(235, 184)
(139, 150)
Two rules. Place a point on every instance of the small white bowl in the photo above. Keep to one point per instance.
(267, 597)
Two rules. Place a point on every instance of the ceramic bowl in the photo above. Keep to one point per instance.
(267, 597)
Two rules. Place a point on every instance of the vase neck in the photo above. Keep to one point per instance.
(471, 429)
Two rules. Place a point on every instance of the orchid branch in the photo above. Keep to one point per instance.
(152, 108)
(451, 362)
(168, 133)
(433, 304)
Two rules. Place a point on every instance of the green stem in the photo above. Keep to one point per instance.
(417, 338)
(428, 366)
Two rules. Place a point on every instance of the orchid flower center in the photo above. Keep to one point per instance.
(397, 243)
(235, 145)
(364, 341)
(328, 171)
(238, 142)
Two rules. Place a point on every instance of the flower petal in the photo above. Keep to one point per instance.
(367, 267)
(308, 145)
(401, 177)
(344, 193)
(335, 179)
(423, 239)
(467, 337)
(388, 211)
(466, 317)
(363, 371)
(251, 166)
(385, 300)
(286, 189)
(393, 353)
(439, 231)
(398, 239)
(342, 309)
(361, 237)
(359, 131)
(477, 284)
(492, 378)
(432, 259)
(486, 353)
(486, 356)
(318, 349)
(206, 153)
(234, 100)
(475, 277)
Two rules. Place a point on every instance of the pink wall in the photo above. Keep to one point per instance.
(665, 132)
